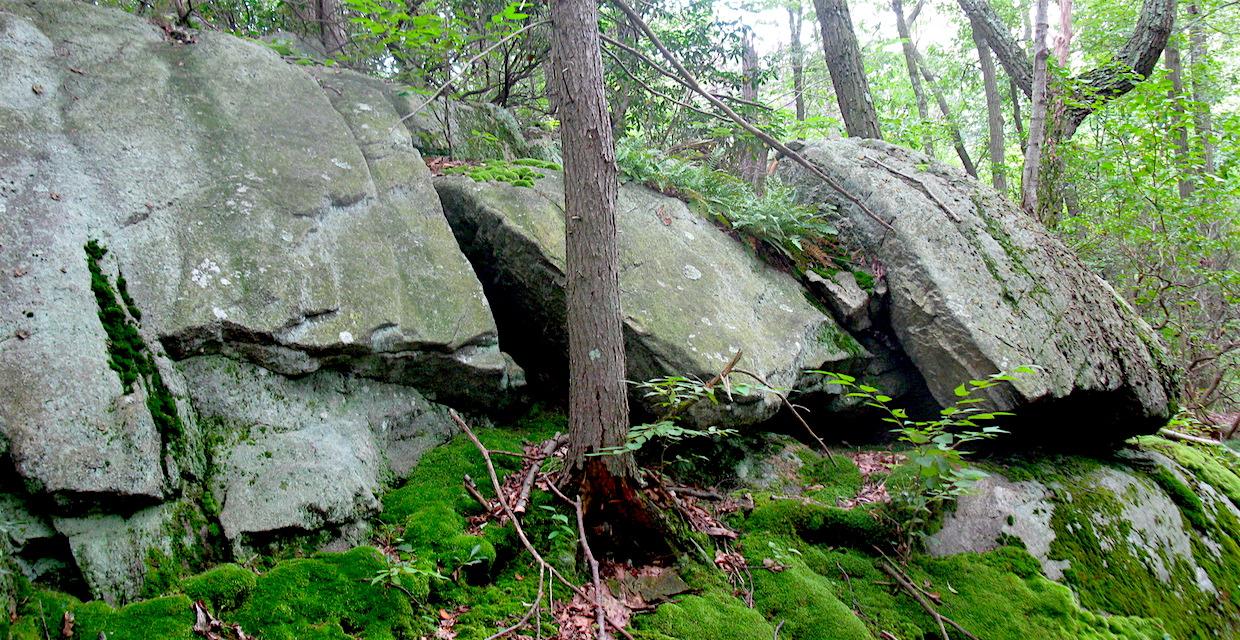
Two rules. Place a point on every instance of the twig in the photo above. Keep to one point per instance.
(921, 184)
(697, 493)
(793, 408)
(652, 90)
(527, 484)
(906, 584)
(528, 614)
(778, 627)
(471, 488)
(467, 65)
(689, 81)
(722, 376)
(525, 541)
(598, 585)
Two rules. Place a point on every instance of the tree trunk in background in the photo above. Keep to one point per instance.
(1179, 120)
(625, 33)
(994, 112)
(1037, 116)
(1016, 117)
(598, 409)
(1202, 118)
(332, 30)
(1094, 88)
(798, 58)
(839, 44)
(910, 61)
(957, 139)
(752, 153)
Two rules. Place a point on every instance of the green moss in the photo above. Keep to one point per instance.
(519, 173)
(828, 479)
(807, 604)
(128, 354)
(169, 618)
(1183, 497)
(327, 596)
(713, 615)
(817, 523)
(832, 335)
(223, 588)
(1214, 467)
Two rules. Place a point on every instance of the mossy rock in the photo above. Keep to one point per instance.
(223, 588)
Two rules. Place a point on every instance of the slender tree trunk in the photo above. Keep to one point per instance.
(1017, 119)
(620, 102)
(843, 54)
(752, 153)
(910, 61)
(1179, 120)
(1037, 116)
(952, 127)
(798, 58)
(994, 112)
(1202, 118)
(598, 410)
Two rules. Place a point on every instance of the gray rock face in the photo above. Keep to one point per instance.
(977, 287)
(112, 550)
(300, 456)
(692, 296)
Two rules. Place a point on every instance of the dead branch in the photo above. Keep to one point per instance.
(793, 408)
(527, 484)
(697, 493)
(651, 90)
(690, 82)
(1176, 435)
(525, 541)
(778, 627)
(598, 584)
(911, 589)
(921, 185)
(471, 488)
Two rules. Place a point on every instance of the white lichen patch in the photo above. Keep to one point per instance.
(204, 273)
(691, 272)
(346, 337)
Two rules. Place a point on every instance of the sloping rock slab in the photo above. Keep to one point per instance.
(691, 295)
(296, 238)
(979, 287)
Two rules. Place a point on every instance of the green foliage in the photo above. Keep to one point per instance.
(774, 215)
(518, 173)
(938, 453)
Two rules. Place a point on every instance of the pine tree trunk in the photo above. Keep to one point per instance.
(910, 61)
(994, 112)
(839, 44)
(332, 31)
(1037, 115)
(798, 58)
(598, 410)
(1203, 121)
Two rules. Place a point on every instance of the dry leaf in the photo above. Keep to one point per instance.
(37, 89)
(21, 334)
(55, 195)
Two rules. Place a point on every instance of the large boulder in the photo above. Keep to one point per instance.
(692, 296)
(977, 287)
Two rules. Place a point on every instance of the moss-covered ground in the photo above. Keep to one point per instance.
(815, 571)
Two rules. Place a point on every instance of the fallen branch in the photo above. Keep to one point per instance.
(911, 589)
(920, 184)
(527, 484)
(793, 408)
(690, 82)
(1176, 435)
(471, 488)
(525, 541)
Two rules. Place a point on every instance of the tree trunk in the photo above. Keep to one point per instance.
(1037, 116)
(994, 112)
(1016, 117)
(752, 153)
(332, 31)
(910, 61)
(798, 58)
(839, 44)
(957, 139)
(624, 32)
(1178, 127)
(598, 409)
(1093, 88)
(1202, 118)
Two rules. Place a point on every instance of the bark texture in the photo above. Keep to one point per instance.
(798, 58)
(1178, 126)
(1037, 114)
(994, 112)
(839, 44)
(752, 153)
(332, 29)
(910, 61)
(598, 401)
